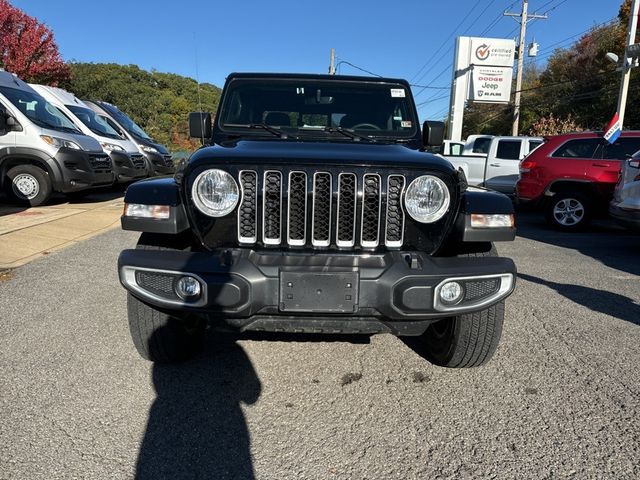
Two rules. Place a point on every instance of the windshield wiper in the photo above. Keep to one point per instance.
(275, 131)
(347, 132)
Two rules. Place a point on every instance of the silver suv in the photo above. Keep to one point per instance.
(625, 206)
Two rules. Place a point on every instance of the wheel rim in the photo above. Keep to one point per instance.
(568, 212)
(26, 186)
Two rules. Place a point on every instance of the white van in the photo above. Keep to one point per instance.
(41, 150)
(128, 162)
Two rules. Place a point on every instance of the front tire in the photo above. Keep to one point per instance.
(467, 340)
(159, 336)
(28, 185)
(569, 211)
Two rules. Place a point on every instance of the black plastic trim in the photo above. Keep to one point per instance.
(256, 279)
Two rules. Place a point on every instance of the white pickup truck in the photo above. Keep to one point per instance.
(497, 168)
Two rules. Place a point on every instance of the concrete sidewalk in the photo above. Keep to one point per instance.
(29, 233)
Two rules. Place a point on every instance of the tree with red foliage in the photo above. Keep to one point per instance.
(27, 48)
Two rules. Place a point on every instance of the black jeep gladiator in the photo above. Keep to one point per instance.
(313, 207)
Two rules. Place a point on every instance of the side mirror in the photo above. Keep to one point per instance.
(200, 125)
(12, 124)
(433, 134)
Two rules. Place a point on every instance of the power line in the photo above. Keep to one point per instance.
(356, 67)
(450, 65)
(446, 40)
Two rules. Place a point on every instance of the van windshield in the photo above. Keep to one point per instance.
(128, 124)
(38, 110)
(93, 122)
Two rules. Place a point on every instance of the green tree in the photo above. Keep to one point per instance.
(158, 102)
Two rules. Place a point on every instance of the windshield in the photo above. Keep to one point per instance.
(128, 124)
(316, 106)
(96, 124)
(38, 110)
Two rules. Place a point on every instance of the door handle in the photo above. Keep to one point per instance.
(601, 164)
(494, 164)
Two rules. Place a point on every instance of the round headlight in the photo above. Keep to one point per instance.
(427, 199)
(215, 193)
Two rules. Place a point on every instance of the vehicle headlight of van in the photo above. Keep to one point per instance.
(427, 199)
(111, 147)
(60, 142)
(215, 193)
(148, 149)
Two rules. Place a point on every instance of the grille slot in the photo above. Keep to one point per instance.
(168, 160)
(371, 206)
(272, 207)
(247, 212)
(346, 221)
(100, 162)
(478, 289)
(321, 214)
(297, 221)
(137, 161)
(160, 284)
(394, 227)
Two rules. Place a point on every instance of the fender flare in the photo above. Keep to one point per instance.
(156, 191)
(32, 156)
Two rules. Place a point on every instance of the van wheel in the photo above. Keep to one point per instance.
(28, 185)
(569, 211)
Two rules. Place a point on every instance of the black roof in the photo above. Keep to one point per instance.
(317, 76)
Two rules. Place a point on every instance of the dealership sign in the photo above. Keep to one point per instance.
(495, 52)
(490, 84)
(482, 71)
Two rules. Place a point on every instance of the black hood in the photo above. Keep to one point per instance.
(273, 152)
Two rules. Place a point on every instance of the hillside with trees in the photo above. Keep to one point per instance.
(158, 102)
(576, 90)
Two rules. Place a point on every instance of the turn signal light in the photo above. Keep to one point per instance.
(158, 212)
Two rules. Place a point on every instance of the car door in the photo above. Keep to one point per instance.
(604, 170)
(502, 169)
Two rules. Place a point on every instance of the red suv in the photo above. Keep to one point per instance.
(572, 176)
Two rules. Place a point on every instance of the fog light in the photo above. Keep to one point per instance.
(188, 288)
(451, 293)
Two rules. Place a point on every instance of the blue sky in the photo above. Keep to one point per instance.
(388, 38)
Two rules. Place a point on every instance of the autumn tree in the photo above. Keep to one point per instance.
(28, 48)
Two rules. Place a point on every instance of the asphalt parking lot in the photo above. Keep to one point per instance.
(561, 398)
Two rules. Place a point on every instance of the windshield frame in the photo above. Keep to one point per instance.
(36, 120)
(320, 132)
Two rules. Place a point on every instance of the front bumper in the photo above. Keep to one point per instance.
(159, 164)
(249, 289)
(82, 170)
(124, 169)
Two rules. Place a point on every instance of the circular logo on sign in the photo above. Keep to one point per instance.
(482, 52)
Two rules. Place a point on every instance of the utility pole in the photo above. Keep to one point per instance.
(332, 62)
(627, 62)
(524, 18)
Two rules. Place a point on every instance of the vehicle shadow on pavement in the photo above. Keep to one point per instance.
(196, 427)
(609, 244)
(612, 304)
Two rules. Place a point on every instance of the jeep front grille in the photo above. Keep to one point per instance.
(320, 209)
